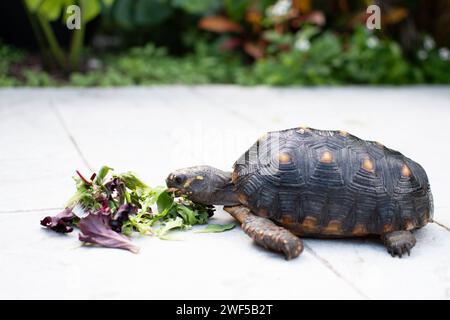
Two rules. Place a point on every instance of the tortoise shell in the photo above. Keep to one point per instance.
(331, 183)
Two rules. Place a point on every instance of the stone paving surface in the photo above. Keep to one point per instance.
(45, 134)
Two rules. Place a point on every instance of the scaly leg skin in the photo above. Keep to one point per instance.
(266, 233)
(398, 243)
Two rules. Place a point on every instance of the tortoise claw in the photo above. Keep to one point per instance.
(399, 243)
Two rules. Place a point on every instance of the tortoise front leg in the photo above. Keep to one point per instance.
(266, 233)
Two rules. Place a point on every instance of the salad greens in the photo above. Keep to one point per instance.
(108, 208)
(217, 228)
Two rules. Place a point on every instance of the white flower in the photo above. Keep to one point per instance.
(444, 54)
(422, 54)
(372, 42)
(302, 44)
(279, 9)
(94, 64)
(428, 43)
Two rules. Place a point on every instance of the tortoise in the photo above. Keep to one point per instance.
(304, 182)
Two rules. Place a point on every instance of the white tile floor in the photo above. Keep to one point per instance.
(46, 134)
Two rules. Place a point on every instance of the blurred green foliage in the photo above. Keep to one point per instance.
(150, 65)
(317, 59)
(42, 13)
(141, 13)
(8, 56)
(435, 67)
(247, 42)
(374, 61)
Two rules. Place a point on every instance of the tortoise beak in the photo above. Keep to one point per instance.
(176, 191)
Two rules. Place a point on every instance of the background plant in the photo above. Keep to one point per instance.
(249, 42)
(43, 12)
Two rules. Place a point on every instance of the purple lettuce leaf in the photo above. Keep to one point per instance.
(59, 223)
(121, 215)
(95, 228)
(116, 187)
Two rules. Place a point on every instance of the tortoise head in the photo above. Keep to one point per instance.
(203, 184)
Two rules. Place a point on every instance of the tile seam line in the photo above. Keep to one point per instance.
(69, 134)
(440, 224)
(330, 267)
(25, 211)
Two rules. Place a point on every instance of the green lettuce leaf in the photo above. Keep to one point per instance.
(170, 225)
(211, 228)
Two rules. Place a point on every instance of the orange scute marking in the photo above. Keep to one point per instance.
(286, 219)
(406, 172)
(409, 225)
(326, 157)
(309, 224)
(359, 230)
(368, 165)
(333, 227)
(284, 158)
(388, 228)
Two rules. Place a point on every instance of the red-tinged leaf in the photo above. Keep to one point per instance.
(219, 24)
(96, 229)
(254, 50)
(315, 17)
(83, 178)
(230, 44)
(59, 222)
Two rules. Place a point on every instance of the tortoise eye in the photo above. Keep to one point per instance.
(180, 179)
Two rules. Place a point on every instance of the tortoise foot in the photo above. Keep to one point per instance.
(266, 233)
(399, 243)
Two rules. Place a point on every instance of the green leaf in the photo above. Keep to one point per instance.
(307, 32)
(210, 228)
(123, 13)
(188, 215)
(132, 181)
(141, 222)
(164, 201)
(202, 217)
(236, 9)
(108, 2)
(90, 10)
(32, 5)
(51, 9)
(127, 228)
(170, 225)
(102, 174)
(151, 12)
(197, 6)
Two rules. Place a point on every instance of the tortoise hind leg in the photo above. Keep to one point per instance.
(266, 233)
(398, 243)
